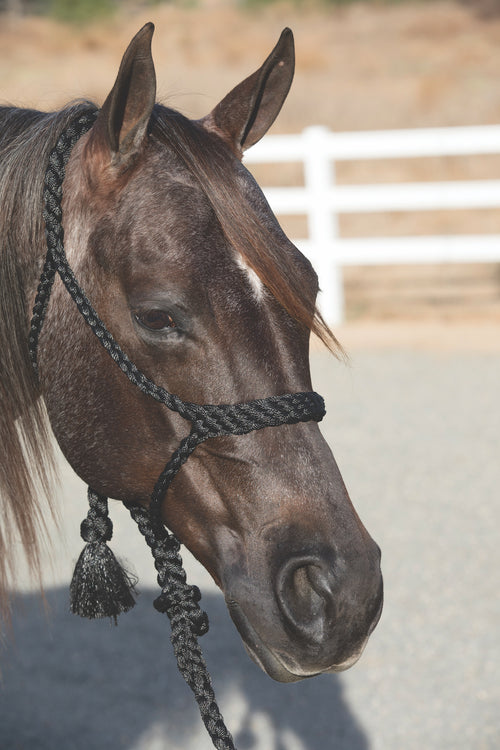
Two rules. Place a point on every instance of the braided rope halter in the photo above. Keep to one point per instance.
(100, 587)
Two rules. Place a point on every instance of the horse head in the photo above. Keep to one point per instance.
(183, 259)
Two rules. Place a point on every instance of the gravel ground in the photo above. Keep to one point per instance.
(416, 434)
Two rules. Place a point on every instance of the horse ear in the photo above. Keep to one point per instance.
(125, 114)
(249, 110)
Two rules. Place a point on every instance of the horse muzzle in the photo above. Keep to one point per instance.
(316, 617)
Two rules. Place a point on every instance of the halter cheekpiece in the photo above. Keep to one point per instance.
(100, 587)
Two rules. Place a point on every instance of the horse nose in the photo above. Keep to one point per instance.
(305, 591)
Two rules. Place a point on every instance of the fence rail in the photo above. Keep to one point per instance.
(321, 200)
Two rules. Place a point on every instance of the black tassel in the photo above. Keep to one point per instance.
(100, 586)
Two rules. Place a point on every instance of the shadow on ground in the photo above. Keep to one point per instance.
(75, 684)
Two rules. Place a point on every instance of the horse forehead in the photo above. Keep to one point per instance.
(166, 214)
(168, 217)
(167, 193)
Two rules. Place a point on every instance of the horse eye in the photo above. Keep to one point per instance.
(155, 320)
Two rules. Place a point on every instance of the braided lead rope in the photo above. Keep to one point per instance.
(178, 599)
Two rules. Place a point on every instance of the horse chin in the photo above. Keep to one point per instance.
(257, 650)
(270, 662)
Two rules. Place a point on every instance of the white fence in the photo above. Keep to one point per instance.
(321, 200)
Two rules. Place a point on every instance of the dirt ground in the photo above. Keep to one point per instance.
(362, 66)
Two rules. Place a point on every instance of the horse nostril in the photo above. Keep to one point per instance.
(305, 596)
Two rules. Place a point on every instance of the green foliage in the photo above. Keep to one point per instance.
(81, 11)
(333, 3)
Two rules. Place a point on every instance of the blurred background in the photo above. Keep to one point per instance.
(413, 419)
(360, 66)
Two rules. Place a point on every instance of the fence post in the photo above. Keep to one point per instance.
(319, 177)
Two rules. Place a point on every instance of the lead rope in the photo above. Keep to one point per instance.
(100, 587)
(179, 601)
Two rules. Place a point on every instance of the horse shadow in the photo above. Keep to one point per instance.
(75, 684)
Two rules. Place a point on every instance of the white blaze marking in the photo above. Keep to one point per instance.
(255, 283)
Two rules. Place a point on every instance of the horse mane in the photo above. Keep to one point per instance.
(209, 161)
(27, 458)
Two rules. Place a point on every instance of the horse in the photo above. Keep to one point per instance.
(182, 257)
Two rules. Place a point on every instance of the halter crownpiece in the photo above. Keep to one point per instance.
(100, 587)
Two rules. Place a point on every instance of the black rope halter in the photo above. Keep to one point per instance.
(100, 588)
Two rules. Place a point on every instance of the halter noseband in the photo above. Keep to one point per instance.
(100, 588)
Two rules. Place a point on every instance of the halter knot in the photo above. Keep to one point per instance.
(177, 600)
(201, 428)
(96, 529)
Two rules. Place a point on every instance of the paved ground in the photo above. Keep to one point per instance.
(416, 434)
